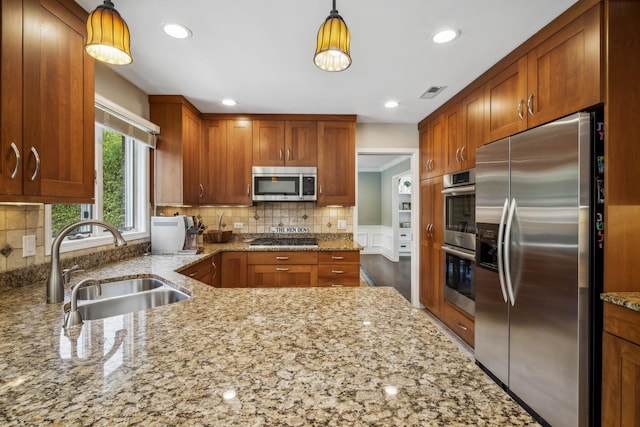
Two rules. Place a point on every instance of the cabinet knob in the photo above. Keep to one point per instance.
(14, 147)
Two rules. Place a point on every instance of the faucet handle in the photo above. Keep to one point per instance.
(66, 273)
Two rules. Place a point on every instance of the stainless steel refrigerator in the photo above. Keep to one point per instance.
(538, 274)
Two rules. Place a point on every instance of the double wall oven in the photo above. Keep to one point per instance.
(460, 239)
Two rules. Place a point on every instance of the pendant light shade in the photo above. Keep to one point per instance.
(334, 44)
(108, 36)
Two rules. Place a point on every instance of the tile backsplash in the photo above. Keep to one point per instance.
(262, 216)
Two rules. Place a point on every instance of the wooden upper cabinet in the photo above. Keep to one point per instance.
(268, 143)
(336, 163)
(558, 77)
(473, 127)
(301, 143)
(47, 109)
(227, 152)
(507, 101)
(457, 155)
(178, 156)
(284, 143)
(432, 148)
(11, 98)
(564, 74)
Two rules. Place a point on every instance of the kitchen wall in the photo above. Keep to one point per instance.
(369, 203)
(259, 218)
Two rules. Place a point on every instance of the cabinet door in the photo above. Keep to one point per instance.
(239, 161)
(507, 101)
(58, 101)
(432, 148)
(431, 236)
(202, 271)
(234, 270)
(214, 161)
(300, 140)
(193, 189)
(620, 382)
(453, 140)
(336, 163)
(11, 98)
(473, 127)
(268, 143)
(564, 70)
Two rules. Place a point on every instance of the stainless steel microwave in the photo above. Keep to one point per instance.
(284, 184)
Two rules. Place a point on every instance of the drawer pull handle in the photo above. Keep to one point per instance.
(14, 147)
(282, 269)
(337, 257)
(195, 273)
(335, 285)
(282, 258)
(337, 271)
(461, 326)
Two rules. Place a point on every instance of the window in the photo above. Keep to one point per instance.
(121, 188)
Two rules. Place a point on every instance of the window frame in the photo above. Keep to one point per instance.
(138, 193)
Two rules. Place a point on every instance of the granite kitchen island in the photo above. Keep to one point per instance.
(240, 357)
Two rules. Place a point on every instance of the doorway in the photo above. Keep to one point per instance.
(385, 242)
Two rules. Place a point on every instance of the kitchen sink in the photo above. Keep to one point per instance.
(117, 305)
(119, 288)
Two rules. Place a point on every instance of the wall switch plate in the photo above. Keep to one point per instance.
(342, 224)
(28, 245)
(238, 225)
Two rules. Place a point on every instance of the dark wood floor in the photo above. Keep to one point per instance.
(388, 273)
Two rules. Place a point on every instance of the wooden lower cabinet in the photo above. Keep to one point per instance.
(290, 269)
(202, 271)
(621, 367)
(282, 269)
(216, 270)
(234, 270)
(459, 322)
(339, 268)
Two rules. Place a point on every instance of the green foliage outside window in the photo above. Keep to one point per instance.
(113, 188)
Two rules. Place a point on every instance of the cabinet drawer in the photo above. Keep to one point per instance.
(404, 236)
(461, 324)
(289, 257)
(202, 271)
(270, 276)
(339, 272)
(339, 257)
(404, 247)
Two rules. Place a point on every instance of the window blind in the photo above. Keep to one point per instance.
(124, 121)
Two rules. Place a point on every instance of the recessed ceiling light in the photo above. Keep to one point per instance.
(229, 102)
(177, 31)
(391, 104)
(445, 35)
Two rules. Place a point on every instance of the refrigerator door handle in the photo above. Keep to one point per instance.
(503, 218)
(507, 244)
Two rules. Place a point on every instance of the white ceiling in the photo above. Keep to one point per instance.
(260, 53)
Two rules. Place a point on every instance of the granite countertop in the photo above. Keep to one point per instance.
(231, 356)
(630, 300)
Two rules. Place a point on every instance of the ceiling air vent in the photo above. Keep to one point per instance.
(432, 92)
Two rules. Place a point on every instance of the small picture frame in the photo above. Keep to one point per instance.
(406, 206)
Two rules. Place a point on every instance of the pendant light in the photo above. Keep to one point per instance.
(334, 41)
(108, 36)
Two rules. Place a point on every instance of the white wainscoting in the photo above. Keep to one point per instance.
(376, 239)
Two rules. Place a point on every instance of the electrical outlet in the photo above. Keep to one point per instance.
(238, 225)
(28, 245)
(342, 224)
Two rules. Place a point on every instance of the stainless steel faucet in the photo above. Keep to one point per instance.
(55, 286)
(73, 317)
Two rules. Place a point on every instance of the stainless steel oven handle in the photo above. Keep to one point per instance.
(457, 191)
(503, 217)
(507, 244)
(459, 252)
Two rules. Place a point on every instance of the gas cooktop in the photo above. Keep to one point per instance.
(285, 241)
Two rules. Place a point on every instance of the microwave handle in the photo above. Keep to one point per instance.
(300, 187)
